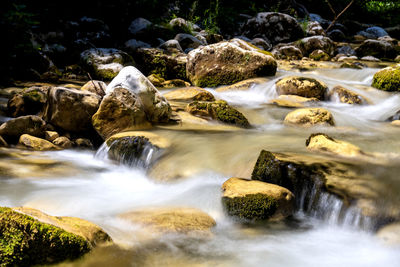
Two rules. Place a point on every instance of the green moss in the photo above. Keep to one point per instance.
(25, 241)
(105, 74)
(251, 207)
(260, 50)
(387, 79)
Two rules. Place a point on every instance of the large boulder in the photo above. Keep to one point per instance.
(319, 42)
(376, 48)
(189, 94)
(137, 148)
(218, 110)
(227, 63)
(255, 200)
(29, 102)
(325, 144)
(276, 27)
(30, 237)
(105, 63)
(310, 117)
(71, 109)
(387, 79)
(182, 220)
(156, 61)
(36, 143)
(301, 86)
(14, 128)
(131, 101)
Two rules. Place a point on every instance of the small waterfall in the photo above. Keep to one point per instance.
(133, 151)
(331, 209)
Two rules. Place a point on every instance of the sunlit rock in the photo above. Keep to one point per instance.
(255, 200)
(387, 79)
(293, 101)
(189, 94)
(36, 143)
(345, 95)
(301, 86)
(310, 117)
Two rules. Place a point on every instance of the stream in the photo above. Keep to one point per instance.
(202, 157)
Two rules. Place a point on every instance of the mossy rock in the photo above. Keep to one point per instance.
(218, 110)
(25, 241)
(346, 96)
(387, 79)
(255, 200)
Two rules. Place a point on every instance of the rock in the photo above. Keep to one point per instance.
(397, 59)
(51, 135)
(336, 35)
(156, 80)
(31, 237)
(345, 95)
(83, 143)
(310, 117)
(105, 63)
(96, 87)
(255, 200)
(373, 32)
(71, 109)
(227, 63)
(394, 31)
(243, 85)
(138, 26)
(309, 44)
(395, 123)
(276, 27)
(346, 50)
(131, 102)
(314, 28)
(3, 142)
(29, 102)
(218, 110)
(387, 79)
(293, 101)
(325, 144)
(370, 59)
(390, 234)
(189, 94)
(14, 128)
(180, 220)
(36, 143)
(389, 39)
(174, 84)
(261, 43)
(376, 48)
(319, 55)
(156, 61)
(62, 142)
(287, 52)
(350, 65)
(210, 38)
(172, 46)
(188, 41)
(132, 45)
(181, 25)
(301, 86)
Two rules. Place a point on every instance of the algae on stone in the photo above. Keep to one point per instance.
(387, 79)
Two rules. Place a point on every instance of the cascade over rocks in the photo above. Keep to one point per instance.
(228, 62)
(71, 109)
(131, 102)
(276, 27)
(345, 95)
(255, 200)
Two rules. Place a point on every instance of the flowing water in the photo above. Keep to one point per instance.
(191, 174)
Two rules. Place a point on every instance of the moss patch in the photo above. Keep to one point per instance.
(387, 79)
(25, 241)
(251, 207)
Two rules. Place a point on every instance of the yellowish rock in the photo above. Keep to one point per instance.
(90, 231)
(256, 200)
(390, 234)
(293, 101)
(310, 117)
(96, 87)
(242, 85)
(301, 86)
(51, 135)
(63, 142)
(172, 220)
(324, 143)
(36, 143)
(153, 138)
(345, 95)
(395, 123)
(189, 94)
